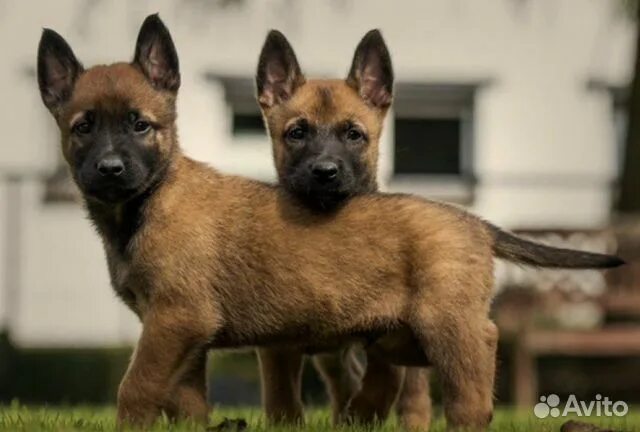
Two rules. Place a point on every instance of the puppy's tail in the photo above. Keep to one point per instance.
(519, 250)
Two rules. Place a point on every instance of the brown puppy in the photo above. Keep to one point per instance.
(323, 174)
(207, 260)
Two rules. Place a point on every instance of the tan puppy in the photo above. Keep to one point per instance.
(323, 175)
(209, 261)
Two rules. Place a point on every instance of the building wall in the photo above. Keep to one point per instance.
(544, 140)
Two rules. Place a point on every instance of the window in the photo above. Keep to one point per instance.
(620, 104)
(620, 97)
(246, 119)
(432, 151)
(247, 124)
(242, 146)
(427, 146)
(59, 187)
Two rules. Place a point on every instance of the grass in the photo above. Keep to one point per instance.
(22, 418)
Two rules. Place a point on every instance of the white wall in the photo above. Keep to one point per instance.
(65, 295)
(544, 150)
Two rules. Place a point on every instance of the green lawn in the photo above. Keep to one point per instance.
(21, 418)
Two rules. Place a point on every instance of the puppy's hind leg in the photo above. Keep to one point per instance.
(461, 344)
(414, 402)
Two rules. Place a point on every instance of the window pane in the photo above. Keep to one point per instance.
(247, 124)
(427, 146)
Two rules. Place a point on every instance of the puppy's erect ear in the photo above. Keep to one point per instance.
(278, 74)
(371, 72)
(156, 55)
(58, 70)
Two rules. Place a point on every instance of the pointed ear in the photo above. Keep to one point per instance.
(58, 70)
(156, 55)
(371, 72)
(278, 74)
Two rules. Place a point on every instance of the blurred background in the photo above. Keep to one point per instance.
(527, 112)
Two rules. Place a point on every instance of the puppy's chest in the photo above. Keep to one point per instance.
(128, 283)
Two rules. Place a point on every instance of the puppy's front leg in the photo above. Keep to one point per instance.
(167, 347)
(281, 374)
(379, 391)
(342, 374)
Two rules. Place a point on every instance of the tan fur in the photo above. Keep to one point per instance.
(222, 261)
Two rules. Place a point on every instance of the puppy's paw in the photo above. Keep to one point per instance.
(229, 425)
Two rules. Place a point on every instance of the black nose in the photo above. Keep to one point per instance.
(325, 171)
(110, 166)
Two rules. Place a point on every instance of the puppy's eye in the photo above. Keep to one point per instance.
(296, 133)
(354, 135)
(82, 128)
(141, 126)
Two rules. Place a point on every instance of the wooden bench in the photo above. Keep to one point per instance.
(619, 336)
(608, 341)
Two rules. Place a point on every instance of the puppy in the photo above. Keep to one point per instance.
(323, 175)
